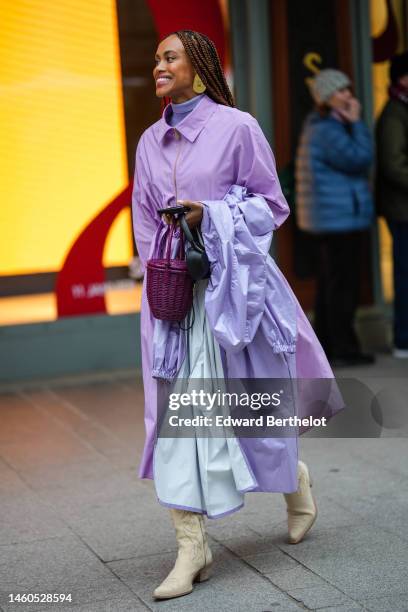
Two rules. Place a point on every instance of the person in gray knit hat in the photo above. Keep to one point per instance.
(326, 83)
(334, 204)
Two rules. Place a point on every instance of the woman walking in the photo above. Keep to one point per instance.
(215, 161)
(334, 203)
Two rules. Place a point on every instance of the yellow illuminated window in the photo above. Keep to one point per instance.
(63, 150)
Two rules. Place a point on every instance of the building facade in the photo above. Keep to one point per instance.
(77, 94)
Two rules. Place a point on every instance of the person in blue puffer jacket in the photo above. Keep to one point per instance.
(334, 203)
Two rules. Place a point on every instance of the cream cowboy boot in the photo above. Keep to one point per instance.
(302, 509)
(194, 558)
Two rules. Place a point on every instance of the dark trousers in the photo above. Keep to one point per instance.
(337, 292)
(399, 231)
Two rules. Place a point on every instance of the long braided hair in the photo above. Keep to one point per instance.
(206, 62)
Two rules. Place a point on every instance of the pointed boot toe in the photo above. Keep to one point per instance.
(298, 526)
(301, 507)
(172, 587)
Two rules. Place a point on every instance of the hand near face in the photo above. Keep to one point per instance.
(352, 111)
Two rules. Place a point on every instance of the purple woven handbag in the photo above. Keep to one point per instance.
(169, 285)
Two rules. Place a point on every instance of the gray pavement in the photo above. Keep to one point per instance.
(75, 518)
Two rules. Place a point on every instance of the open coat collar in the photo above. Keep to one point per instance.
(191, 126)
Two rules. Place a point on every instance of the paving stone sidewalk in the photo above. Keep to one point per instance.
(74, 517)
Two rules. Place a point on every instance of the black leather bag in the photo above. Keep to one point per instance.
(197, 261)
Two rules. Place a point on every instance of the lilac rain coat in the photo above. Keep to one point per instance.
(218, 155)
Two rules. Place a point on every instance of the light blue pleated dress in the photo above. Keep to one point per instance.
(202, 474)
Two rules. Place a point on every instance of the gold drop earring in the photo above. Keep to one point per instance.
(198, 85)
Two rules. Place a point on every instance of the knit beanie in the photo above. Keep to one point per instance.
(326, 83)
(399, 66)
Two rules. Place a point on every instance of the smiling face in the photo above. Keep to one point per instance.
(173, 72)
(340, 99)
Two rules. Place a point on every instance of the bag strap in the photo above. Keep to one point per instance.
(188, 234)
(180, 255)
(159, 239)
(169, 240)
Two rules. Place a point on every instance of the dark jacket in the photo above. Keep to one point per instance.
(332, 191)
(392, 161)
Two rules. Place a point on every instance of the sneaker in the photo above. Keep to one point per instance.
(400, 353)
